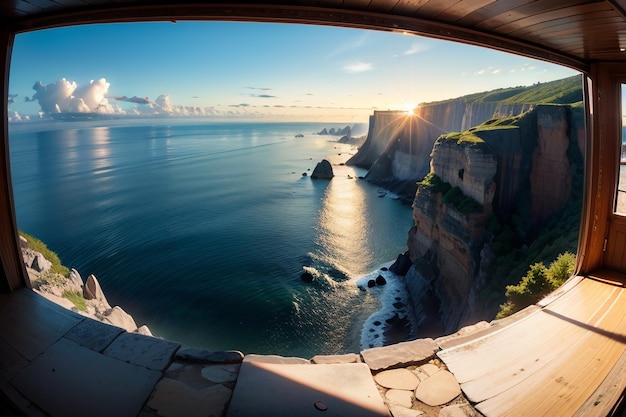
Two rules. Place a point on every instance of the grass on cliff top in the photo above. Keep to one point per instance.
(565, 91)
(434, 184)
(38, 246)
(462, 137)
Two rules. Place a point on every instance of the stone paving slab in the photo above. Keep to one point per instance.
(284, 360)
(70, 380)
(93, 334)
(206, 356)
(173, 398)
(284, 390)
(330, 359)
(400, 354)
(151, 352)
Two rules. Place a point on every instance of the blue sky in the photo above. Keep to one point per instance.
(260, 70)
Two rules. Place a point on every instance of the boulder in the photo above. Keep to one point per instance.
(371, 283)
(118, 317)
(144, 330)
(23, 242)
(323, 170)
(402, 264)
(76, 281)
(40, 264)
(93, 291)
(380, 280)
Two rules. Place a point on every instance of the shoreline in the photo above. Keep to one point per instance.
(395, 320)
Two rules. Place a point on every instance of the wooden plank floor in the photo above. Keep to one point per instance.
(557, 361)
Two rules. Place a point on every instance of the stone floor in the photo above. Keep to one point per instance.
(564, 356)
(54, 362)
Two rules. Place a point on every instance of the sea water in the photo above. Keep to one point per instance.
(202, 230)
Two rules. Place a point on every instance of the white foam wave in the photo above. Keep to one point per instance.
(394, 300)
(321, 277)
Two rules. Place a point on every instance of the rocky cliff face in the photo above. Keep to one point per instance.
(398, 145)
(518, 170)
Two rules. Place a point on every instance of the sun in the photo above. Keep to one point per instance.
(410, 109)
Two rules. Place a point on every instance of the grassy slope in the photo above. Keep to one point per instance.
(565, 91)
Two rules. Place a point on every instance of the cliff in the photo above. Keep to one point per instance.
(398, 145)
(491, 191)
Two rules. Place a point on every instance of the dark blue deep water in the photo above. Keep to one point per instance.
(201, 231)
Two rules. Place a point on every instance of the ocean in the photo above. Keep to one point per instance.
(201, 230)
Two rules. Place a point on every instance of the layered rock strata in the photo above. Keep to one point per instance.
(519, 169)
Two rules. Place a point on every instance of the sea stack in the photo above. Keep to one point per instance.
(323, 170)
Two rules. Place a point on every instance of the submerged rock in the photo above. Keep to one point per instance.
(323, 170)
(306, 277)
(402, 264)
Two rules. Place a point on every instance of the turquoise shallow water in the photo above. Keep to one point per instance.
(202, 230)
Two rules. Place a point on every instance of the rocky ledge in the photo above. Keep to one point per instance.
(83, 297)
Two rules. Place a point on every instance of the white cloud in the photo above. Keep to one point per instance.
(66, 96)
(358, 67)
(415, 48)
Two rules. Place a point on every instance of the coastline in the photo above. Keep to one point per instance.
(84, 297)
(395, 320)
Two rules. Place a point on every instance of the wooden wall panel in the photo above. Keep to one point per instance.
(12, 270)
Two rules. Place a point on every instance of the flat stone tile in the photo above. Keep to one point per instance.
(330, 359)
(70, 380)
(438, 389)
(207, 356)
(397, 379)
(93, 334)
(400, 354)
(284, 360)
(11, 361)
(151, 352)
(279, 390)
(173, 398)
(220, 374)
(34, 324)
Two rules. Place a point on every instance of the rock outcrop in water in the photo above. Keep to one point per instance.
(323, 170)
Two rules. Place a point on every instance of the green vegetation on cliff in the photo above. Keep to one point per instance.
(77, 299)
(518, 246)
(452, 196)
(565, 91)
(434, 184)
(38, 246)
(538, 282)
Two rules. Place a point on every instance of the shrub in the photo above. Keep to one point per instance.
(538, 282)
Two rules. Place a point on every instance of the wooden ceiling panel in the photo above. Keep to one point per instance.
(558, 17)
(408, 7)
(529, 9)
(570, 32)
